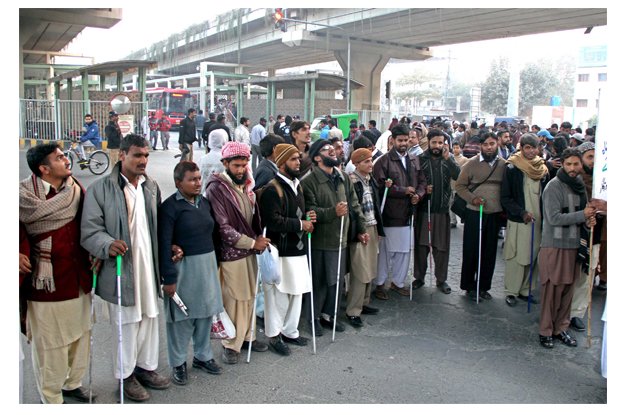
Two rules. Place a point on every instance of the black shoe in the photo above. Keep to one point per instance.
(230, 356)
(577, 324)
(209, 366)
(444, 287)
(511, 300)
(484, 295)
(567, 339)
(416, 284)
(318, 328)
(298, 341)
(546, 341)
(179, 374)
(355, 321)
(278, 346)
(257, 346)
(532, 299)
(80, 394)
(369, 310)
(329, 324)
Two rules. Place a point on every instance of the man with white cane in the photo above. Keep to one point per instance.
(483, 175)
(120, 218)
(282, 210)
(237, 218)
(524, 181)
(330, 193)
(433, 229)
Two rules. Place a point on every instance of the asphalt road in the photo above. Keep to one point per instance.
(436, 349)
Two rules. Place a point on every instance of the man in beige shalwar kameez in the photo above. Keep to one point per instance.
(238, 221)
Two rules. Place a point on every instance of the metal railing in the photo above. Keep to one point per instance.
(64, 119)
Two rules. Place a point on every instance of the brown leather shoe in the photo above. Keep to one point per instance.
(151, 379)
(401, 291)
(380, 294)
(134, 391)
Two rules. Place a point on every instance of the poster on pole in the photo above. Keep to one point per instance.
(126, 123)
(600, 170)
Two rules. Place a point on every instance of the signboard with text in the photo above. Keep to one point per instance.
(126, 124)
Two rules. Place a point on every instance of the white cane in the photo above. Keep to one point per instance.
(338, 275)
(312, 306)
(120, 351)
(91, 317)
(412, 243)
(479, 258)
(253, 322)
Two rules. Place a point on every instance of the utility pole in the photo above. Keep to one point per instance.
(447, 80)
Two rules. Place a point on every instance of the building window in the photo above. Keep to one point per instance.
(583, 77)
(602, 77)
(581, 103)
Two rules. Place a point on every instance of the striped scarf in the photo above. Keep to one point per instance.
(40, 215)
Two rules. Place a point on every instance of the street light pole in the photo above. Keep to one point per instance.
(349, 44)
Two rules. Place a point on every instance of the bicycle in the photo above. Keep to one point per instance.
(97, 161)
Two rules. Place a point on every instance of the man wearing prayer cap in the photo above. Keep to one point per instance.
(240, 238)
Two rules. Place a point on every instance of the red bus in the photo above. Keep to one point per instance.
(174, 103)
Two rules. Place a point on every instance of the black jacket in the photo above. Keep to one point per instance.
(512, 196)
(441, 194)
(265, 171)
(113, 135)
(188, 132)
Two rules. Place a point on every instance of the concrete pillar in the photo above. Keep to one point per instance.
(365, 68)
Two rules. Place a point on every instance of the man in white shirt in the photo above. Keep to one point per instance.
(258, 133)
(242, 133)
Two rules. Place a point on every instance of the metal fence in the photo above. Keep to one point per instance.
(64, 119)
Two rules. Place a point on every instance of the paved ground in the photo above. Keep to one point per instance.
(436, 349)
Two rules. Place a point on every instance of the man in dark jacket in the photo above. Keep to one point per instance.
(113, 135)
(524, 180)
(267, 168)
(433, 223)
(407, 190)
(206, 128)
(282, 209)
(220, 123)
(330, 193)
(187, 136)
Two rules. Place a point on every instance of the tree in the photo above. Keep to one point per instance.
(419, 87)
(538, 84)
(462, 90)
(495, 87)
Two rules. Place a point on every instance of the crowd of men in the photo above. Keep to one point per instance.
(342, 214)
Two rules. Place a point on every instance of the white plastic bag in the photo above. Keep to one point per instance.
(269, 265)
(222, 327)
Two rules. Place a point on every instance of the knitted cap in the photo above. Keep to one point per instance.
(360, 155)
(234, 149)
(316, 147)
(585, 146)
(283, 152)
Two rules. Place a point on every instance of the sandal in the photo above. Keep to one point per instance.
(546, 341)
(444, 287)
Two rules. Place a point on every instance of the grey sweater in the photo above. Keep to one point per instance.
(474, 172)
(562, 215)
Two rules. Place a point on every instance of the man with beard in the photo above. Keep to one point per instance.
(479, 183)
(363, 256)
(566, 209)
(407, 190)
(300, 135)
(579, 303)
(330, 193)
(524, 180)
(282, 208)
(505, 145)
(439, 169)
(240, 238)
